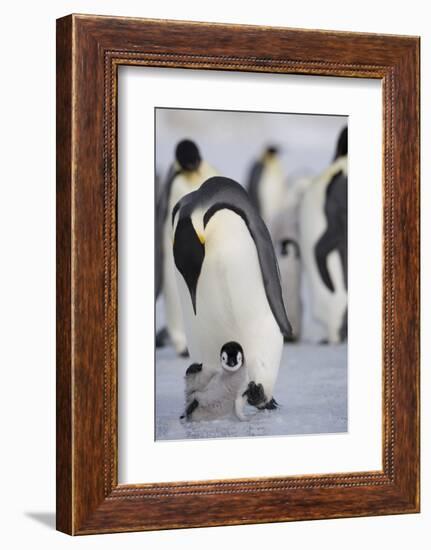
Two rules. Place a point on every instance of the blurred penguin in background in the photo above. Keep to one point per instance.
(285, 230)
(266, 186)
(323, 243)
(186, 174)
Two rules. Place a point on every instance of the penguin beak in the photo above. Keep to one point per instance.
(189, 254)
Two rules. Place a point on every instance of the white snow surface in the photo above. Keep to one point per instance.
(311, 390)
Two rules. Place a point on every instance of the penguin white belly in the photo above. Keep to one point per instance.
(328, 307)
(290, 274)
(285, 226)
(174, 318)
(231, 302)
(271, 193)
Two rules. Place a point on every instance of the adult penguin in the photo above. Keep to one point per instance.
(289, 261)
(266, 185)
(285, 235)
(229, 284)
(185, 175)
(323, 232)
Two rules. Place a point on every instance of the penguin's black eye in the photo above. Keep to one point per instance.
(224, 357)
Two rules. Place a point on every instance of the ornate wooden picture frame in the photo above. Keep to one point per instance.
(89, 51)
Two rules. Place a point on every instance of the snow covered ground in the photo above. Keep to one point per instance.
(311, 390)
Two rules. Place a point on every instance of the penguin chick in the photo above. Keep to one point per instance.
(212, 395)
(196, 378)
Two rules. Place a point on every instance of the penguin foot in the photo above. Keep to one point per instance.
(194, 368)
(255, 394)
(270, 405)
(324, 342)
(162, 337)
(185, 353)
(342, 332)
(292, 339)
(190, 408)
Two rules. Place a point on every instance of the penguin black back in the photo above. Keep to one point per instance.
(335, 236)
(341, 149)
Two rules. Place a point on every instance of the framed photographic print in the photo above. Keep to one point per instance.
(237, 274)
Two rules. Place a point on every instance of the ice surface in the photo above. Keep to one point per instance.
(311, 390)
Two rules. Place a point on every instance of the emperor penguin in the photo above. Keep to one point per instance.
(323, 231)
(266, 185)
(186, 174)
(216, 394)
(229, 283)
(289, 261)
(285, 234)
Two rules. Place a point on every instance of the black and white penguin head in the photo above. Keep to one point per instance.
(231, 357)
(270, 152)
(188, 155)
(189, 247)
(189, 229)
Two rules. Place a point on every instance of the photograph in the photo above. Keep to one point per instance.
(213, 316)
(237, 274)
(251, 273)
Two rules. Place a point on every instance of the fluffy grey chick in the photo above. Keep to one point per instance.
(216, 395)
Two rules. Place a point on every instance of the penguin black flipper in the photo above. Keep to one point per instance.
(325, 245)
(190, 408)
(253, 184)
(161, 212)
(220, 193)
(270, 272)
(343, 329)
(194, 369)
(335, 236)
(284, 246)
